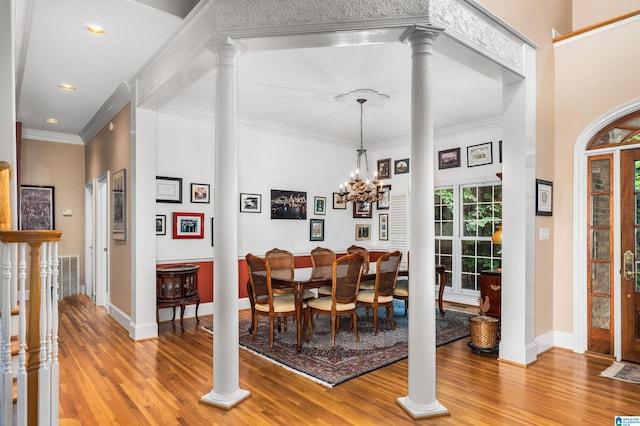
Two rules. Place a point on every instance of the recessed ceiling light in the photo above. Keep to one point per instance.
(65, 86)
(52, 120)
(95, 29)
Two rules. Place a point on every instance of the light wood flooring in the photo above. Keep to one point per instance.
(107, 379)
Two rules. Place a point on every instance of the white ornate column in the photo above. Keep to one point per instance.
(226, 391)
(421, 401)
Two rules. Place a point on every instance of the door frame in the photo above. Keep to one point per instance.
(90, 238)
(102, 251)
(580, 169)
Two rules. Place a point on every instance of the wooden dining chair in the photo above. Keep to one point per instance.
(347, 271)
(364, 284)
(387, 267)
(322, 259)
(266, 304)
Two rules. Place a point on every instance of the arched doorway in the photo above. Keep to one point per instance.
(613, 239)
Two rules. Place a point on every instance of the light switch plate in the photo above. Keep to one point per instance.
(544, 233)
(67, 212)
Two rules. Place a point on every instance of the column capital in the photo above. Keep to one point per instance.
(421, 32)
(225, 46)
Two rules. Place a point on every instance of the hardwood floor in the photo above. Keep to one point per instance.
(107, 379)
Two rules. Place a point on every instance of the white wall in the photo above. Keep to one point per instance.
(269, 160)
(185, 150)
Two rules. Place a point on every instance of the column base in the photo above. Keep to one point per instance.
(418, 411)
(225, 401)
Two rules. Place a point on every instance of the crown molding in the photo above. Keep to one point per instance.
(118, 99)
(471, 126)
(47, 136)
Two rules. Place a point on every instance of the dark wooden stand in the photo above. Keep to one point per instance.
(491, 287)
(177, 286)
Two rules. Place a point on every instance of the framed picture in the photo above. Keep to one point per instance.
(363, 232)
(200, 193)
(338, 204)
(480, 155)
(211, 232)
(119, 204)
(168, 189)
(544, 197)
(362, 209)
(250, 203)
(449, 158)
(384, 168)
(161, 224)
(383, 227)
(320, 205)
(188, 225)
(316, 230)
(500, 151)
(37, 208)
(401, 166)
(288, 204)
(385, 202)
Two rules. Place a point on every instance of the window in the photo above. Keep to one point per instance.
(466, 216)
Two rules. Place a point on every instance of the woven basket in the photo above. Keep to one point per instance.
(484, 331)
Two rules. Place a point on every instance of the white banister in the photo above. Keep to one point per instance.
(22, 337)
(37, 384)
(6, 380)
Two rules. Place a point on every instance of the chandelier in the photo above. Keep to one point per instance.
(359, 188)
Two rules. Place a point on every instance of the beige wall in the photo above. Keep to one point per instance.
(594, 75)
(61, 166)
(549, 14)
(111, 150)
(590, 12)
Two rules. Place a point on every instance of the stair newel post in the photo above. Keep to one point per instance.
(33, 333)
(22, 341)
(43, 370)
(54, 366)
(6, 393)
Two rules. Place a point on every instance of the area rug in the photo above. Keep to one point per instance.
(349, 359)
(621, 371)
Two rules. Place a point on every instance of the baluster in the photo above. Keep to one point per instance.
(55, 368)
(22, 340)
(5, 310)
(43, 372)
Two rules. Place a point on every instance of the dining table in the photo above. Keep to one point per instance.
(310, 278)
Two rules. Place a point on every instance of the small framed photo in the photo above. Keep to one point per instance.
(37, 208)
(119, 205)
(320, 205)
(338, 204)
(401, 166)
(161, 224)
(188, 225)
(544, 197)
(480, 155)
(168, 189)
(384, 168)
(363, 232)
(449, 158)
(385, 202)
(316, 230)
(200, 193)
(383, 227)
(250, 203)
(362, 209)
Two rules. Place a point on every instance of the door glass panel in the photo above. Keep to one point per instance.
(600, 210)
(600, 276)
(600, 242)
(600, 170)
(600, 317)
(637, 175)
(637, 279)
(637, 221)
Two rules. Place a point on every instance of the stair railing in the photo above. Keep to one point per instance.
(37, 375)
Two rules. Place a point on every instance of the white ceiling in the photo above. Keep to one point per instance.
(291, 89)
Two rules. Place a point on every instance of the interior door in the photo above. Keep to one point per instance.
(630, 240)
(102, 241)
(89, 239)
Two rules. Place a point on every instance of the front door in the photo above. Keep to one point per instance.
(630, 241)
